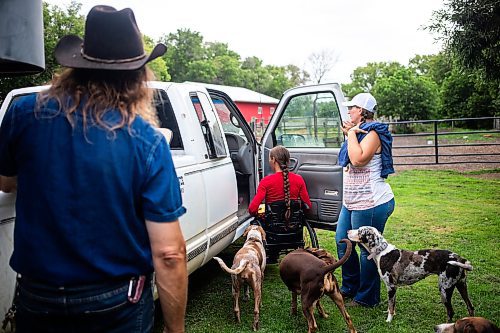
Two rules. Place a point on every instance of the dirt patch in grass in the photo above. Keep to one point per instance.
(486, 176)
(441, 230)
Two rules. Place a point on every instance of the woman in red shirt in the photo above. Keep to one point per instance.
(282, 185)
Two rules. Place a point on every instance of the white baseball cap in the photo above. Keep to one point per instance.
(363, 100)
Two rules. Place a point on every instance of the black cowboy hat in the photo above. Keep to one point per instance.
(112, 41)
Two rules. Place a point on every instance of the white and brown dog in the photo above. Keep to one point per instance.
(400, 267)
(248, 270)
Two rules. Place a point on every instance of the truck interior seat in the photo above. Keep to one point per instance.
(241, 153)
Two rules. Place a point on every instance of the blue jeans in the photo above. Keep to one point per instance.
(92, 308)
(360, 278)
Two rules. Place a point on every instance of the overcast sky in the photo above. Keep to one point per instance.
(282, 32)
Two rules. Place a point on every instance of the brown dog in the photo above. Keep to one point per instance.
(248, 269)
(468, 325)
(308, 272)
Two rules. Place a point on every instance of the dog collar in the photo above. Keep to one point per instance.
(255, 239)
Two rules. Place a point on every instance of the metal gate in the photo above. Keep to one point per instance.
(445, 141)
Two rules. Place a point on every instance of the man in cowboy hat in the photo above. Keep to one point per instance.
(98, 198)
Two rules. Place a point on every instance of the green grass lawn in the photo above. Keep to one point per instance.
(434, 209)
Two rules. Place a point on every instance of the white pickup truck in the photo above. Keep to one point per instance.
(219, 163)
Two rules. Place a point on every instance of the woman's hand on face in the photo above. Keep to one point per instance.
(356, 129)
(346, 126)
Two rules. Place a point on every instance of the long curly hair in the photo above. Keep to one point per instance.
(282, 156)
(97, 92)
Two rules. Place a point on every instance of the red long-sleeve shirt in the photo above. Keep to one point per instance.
(271, 189)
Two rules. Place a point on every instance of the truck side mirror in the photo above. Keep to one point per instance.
(21, 37)
(234, 121)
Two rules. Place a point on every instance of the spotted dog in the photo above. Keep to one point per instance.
(248, 269)
(400, 267)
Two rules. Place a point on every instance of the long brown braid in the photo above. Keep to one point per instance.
(282, 156)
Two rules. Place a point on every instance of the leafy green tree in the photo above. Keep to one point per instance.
(254, 75)
(190, 59)
(279, 81)
(202, 71)
(436, 66)
(217, 49)
(183, 48)
(57, 22)
(326, 109)
(471, 30)
(363, 78)
(222, 65)
(228, 70)
(406, 96)
(467, 95)
(270, 80)
(251, 63)
(187, 58)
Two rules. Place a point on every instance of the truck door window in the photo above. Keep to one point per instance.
(167, 118)
(310, 120)
(209, 125)
(229, 125)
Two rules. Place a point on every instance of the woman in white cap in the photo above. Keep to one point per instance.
(98, 197)
(368, 200)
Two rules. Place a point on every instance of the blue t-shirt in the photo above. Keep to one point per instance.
(83, 197)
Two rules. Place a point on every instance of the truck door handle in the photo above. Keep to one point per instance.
(293, 163)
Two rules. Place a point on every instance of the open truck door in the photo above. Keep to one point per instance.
(308, 122)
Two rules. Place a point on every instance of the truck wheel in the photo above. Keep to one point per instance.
(310, 237)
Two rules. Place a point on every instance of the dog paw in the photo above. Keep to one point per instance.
(389, 318)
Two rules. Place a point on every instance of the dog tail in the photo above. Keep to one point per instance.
(235, 271)
(466, 265)
(342, 260)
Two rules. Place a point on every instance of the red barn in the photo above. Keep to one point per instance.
(255, 107)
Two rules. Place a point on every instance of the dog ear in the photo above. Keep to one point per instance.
(469, 328)
(314, 251)
(262, 232)
(246, 231)
(368, 237)
(363, 235)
